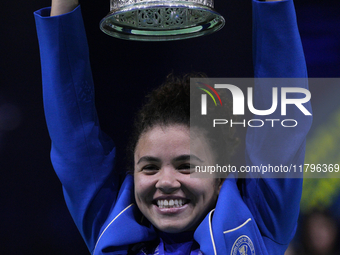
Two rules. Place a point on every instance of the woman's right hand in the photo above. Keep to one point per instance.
(63, 6)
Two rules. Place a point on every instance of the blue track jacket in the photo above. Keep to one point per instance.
(258, 217)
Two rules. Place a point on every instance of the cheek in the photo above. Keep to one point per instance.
(144, 186)
(205, 189)
(138, 185)
(213, 190)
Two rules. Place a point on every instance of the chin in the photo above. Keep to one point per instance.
(173, 228)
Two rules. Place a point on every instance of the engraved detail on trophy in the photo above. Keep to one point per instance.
(161, 20)
(121, 3)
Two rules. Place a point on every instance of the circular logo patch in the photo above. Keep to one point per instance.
(243, 246)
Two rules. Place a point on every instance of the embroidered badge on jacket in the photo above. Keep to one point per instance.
(243, 246)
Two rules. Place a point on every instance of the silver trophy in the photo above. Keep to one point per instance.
(161, 20)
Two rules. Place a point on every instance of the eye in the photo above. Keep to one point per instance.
(150, 169)
(186, 168)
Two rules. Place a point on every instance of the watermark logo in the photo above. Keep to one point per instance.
(238, 100)
(271, 101)
(204, 97)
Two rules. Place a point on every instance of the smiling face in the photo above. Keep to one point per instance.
(164, 191)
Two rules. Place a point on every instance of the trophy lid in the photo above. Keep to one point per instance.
(149, 20)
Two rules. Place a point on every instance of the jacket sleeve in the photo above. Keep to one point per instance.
(82, 155)
(277, 53)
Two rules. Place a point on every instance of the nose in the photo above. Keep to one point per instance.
(168, 181)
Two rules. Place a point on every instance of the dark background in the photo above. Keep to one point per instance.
(34, 218)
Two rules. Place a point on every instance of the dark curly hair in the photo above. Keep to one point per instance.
(169, 104)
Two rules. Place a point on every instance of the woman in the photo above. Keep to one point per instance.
(183, 215)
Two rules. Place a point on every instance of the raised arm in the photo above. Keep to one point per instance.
(278, 53)
(59, 7)
(82, 155)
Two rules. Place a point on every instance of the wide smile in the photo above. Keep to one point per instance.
(170, 202)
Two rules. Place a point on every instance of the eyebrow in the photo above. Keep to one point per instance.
(148, 159)
(179, 158)
(187, 157)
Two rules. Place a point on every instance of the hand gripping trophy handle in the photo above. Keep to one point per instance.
(161, 20)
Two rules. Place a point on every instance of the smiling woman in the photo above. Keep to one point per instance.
(165, 193)
(159, 208)
(165, 155)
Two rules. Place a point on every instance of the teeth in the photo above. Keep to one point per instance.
(172, 203)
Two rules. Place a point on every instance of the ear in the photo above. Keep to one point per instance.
(219, 184)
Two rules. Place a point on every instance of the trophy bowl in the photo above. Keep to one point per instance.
(149, 20)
